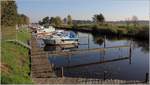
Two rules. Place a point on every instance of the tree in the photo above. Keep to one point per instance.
(52, 20)
(98, 18)
(45, 21)
(40, 23)
(22, 19)
(134, 20)
(8, 13)
(58, 21)
(69, 20)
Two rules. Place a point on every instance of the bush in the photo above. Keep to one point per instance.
(122, 26)
(143, 32)
(122, 31)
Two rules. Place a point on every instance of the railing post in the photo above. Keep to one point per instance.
(62, 72)
(147, 77)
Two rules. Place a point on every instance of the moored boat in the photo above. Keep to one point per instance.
(42, 31)
(66, 37)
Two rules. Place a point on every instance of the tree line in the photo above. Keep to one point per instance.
(56, 21)
(98, 19)
(10, 15)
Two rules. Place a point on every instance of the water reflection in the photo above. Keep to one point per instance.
(99, 39)
(143, 44)
(60, 47)
(114, 63)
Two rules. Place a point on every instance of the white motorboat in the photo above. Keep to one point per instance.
(45, 30)
(66, 37)
(42, 31)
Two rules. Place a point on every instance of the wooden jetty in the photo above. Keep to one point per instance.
(40, 66)
(67, 80)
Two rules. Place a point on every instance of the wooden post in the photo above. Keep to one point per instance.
(147, 77)
(69, 59)
(104, 46)
(88, 41)
(104, 41)
(62, 72)
(29, 52)
(130, 53)
(104, 75)
(16, 31)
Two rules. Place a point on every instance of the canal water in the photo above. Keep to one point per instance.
(113, 63)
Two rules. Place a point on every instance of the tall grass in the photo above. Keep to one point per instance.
(15, 59)
(23, 35)
(8, 32)
(139, 31)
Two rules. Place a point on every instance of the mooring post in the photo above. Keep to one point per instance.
(52, 66)
(62, 72)
(130, 52)
(88, 41)
(104, 41)
(147, 77)
(105, 75)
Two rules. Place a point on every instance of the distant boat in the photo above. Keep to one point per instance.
(45, 30)
(42, 31)
(63, 37)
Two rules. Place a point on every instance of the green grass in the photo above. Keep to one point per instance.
(8, 32)
(15, 60)
(23, 35)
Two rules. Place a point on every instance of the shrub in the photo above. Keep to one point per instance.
(122, 31)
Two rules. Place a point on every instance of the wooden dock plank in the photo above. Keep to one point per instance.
(83, 81)
(40, 66)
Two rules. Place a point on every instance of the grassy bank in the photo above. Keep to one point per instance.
(139, 31)
(14, 58)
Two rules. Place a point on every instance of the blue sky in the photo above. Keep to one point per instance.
(84, 9)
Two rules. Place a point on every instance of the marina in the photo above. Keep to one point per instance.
(71, 61)
(74, 42)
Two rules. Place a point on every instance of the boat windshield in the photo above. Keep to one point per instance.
(70, 34)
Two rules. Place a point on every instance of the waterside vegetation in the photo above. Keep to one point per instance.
(15, 60)
(131, 28)
(15, 63)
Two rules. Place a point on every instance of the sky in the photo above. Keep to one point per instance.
(113, 10)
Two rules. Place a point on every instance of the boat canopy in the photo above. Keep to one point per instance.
(70, 34)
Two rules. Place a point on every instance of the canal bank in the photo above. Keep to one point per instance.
(138, 32)
(15, 60)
